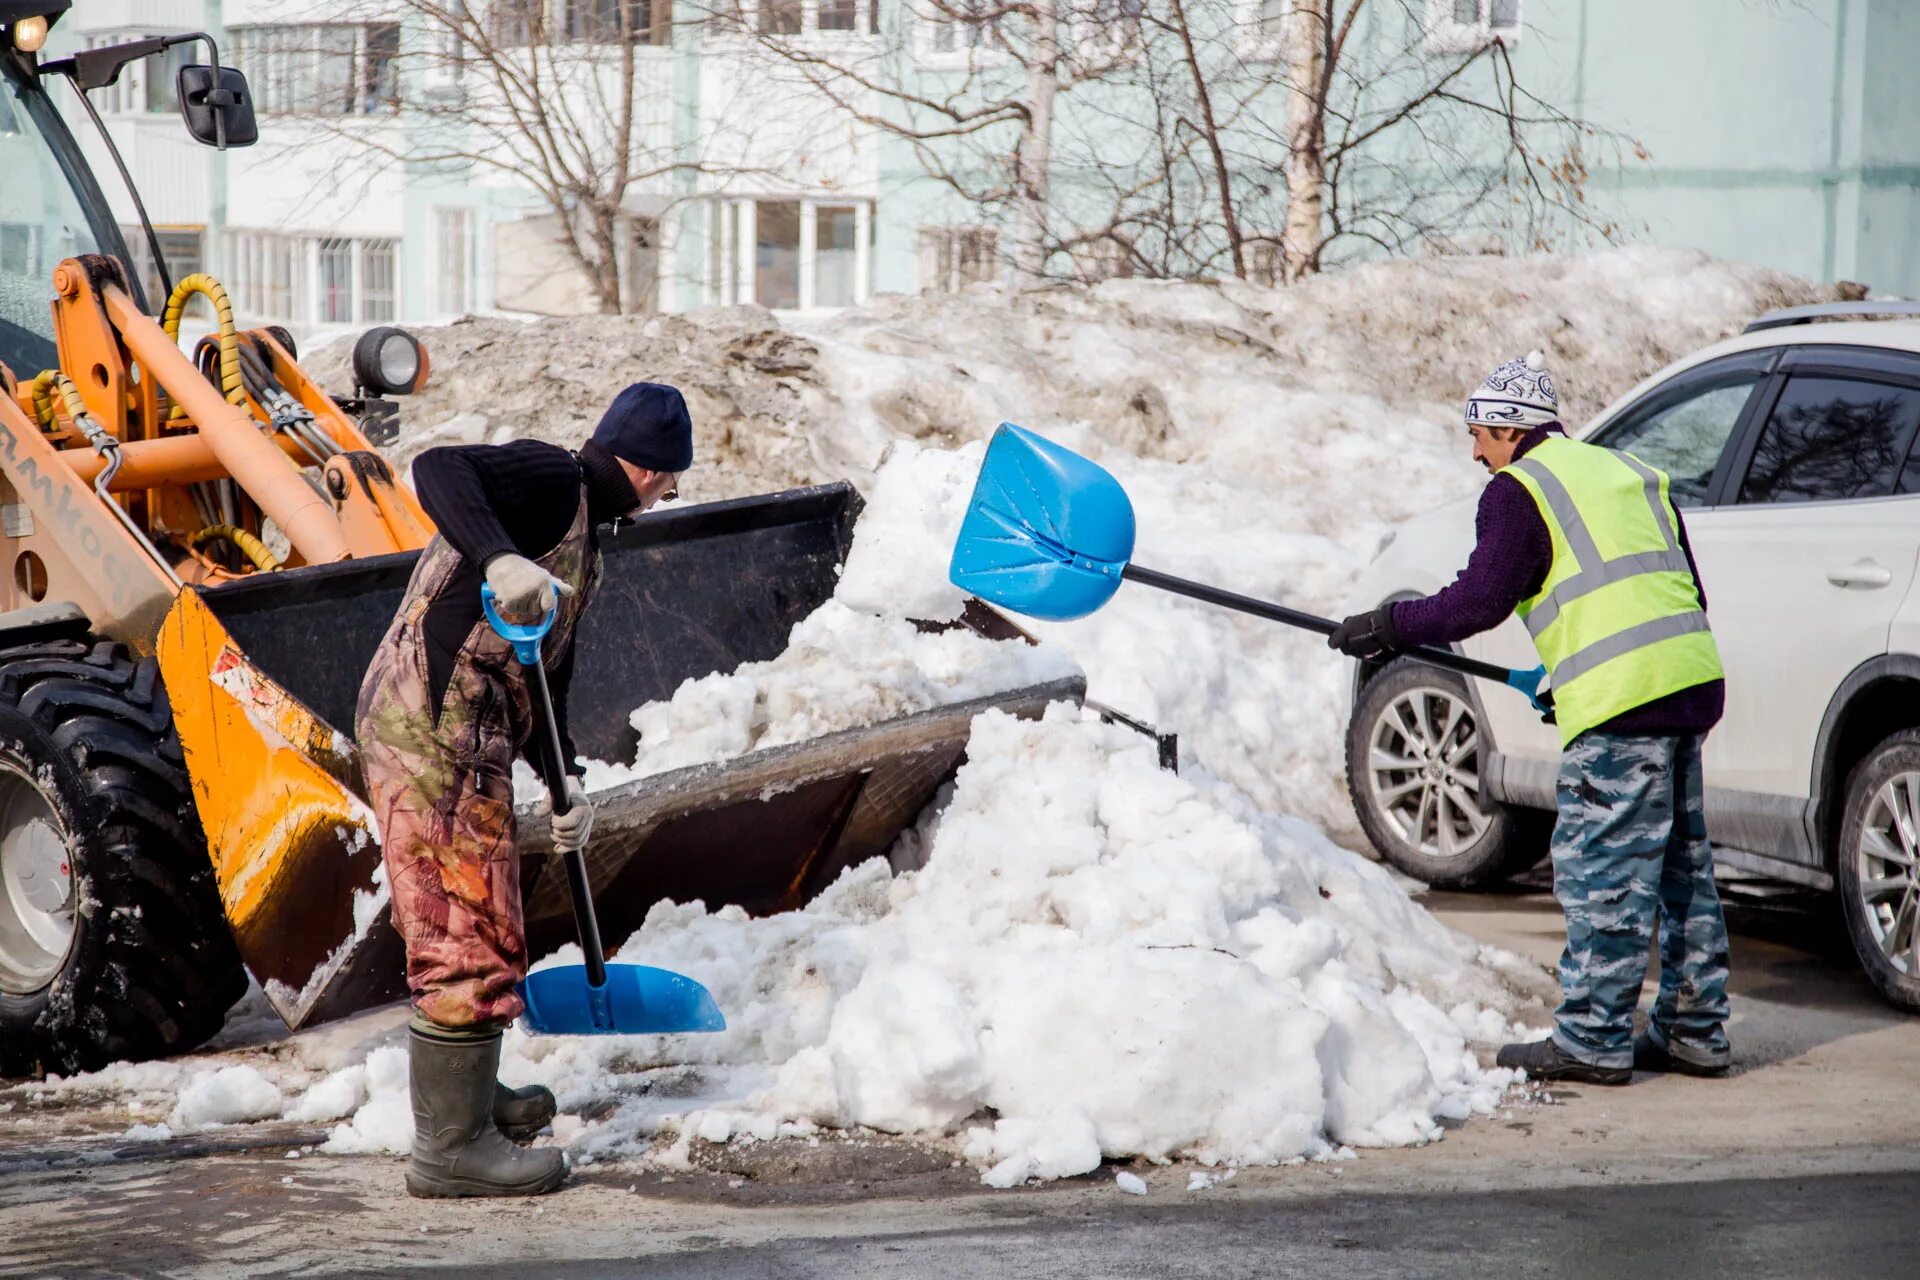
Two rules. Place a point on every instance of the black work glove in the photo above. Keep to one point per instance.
(1366, 635)
(1544, 700)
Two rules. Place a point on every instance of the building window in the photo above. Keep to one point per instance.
(798, 17)
(377, 281)
(1264, 261)
(518, 23)
(1467, 26)
(598, 21)
(336, 281)
(320, 69)
(780, 17)
(776, 254)
(305, 280)
(795, 254)
(184, 250)
(951, 35)
(453, 261)
(1263, 28)
(836, 254)
(953, 257)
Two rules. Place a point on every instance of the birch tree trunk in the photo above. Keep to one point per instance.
(1306, 137)
(1033, 159)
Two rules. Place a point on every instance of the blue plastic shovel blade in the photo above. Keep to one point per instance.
(636, 1000)
(1047, 533)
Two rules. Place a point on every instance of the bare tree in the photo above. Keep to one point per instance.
(555, 96)
(975, 87)
(1204, 136)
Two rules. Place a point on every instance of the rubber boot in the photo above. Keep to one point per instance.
(521, 1113)
(457, 1151)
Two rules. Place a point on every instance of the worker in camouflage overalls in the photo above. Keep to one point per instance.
(443, 712)
(1585, 544)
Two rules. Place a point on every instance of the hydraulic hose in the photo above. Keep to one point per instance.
(230, 381)
(250, 547)
(104, 444)
(44, 385)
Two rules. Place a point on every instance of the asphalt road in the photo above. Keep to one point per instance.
(1805, 1163)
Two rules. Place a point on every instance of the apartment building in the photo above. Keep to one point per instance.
(1778, 134)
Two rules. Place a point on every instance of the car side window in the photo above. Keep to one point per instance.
(1832, 437)
(1684, 430)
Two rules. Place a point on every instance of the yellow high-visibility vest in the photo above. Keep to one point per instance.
(1618, 621)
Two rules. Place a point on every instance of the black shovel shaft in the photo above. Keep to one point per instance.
(1295, 618)
(546, 732)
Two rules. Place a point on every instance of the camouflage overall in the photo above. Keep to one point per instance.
(442, 790)
(1631, 847)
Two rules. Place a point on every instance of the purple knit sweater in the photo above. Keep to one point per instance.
(1511, 556)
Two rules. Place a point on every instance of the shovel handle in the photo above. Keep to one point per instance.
(546, 732)
(1527, 682)
(525, 639)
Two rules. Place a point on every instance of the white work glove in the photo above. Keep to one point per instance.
(571, 829)
(521, 588)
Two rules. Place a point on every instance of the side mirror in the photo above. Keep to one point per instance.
(217, 106)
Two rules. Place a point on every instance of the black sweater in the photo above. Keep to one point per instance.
(491, 500)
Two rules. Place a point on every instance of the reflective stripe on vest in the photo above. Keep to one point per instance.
(1595, 572)
(1615, 632)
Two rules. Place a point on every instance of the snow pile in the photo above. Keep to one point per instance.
(1099, 957)
(1269, 437)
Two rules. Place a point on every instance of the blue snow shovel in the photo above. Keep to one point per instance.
(594, 998)
(1050, 534)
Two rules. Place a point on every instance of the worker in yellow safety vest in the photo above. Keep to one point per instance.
(1585, 544)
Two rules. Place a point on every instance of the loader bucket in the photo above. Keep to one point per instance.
(264, 675)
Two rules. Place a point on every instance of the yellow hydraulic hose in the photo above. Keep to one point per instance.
(202, 283)
(250, 547)
(43, 386)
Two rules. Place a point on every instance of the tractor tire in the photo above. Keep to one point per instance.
(1413, 770)
(113, 944)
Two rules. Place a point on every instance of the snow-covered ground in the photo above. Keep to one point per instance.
(1099, 957)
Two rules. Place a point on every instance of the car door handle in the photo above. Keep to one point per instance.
(1861, 573)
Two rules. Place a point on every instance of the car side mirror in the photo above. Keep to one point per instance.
(217, 106)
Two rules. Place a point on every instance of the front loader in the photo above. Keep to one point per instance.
(198, 555)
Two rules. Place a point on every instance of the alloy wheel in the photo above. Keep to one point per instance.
(1889, 867)
(1424, 765)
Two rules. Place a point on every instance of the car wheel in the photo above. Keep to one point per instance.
(1878, 871)
(1414, 755)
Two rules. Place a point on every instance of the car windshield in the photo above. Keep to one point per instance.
(44, 218)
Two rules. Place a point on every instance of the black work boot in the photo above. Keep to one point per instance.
(1649, 1056)
(521, 1113)
(456, 1149)
(1546, 1060)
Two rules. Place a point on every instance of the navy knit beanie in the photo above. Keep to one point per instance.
(648, 425)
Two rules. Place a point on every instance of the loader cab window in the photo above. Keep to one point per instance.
(49, 210)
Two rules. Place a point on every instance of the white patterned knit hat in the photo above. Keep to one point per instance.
(1517, 394)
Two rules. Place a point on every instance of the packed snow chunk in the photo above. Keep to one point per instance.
(383, 1125)
(231, 1095)
(906, 1052)
(1060, 1144)
(1131, 1183)
(334, 1097)
(905, 535)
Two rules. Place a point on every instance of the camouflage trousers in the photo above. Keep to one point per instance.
(1630, 854)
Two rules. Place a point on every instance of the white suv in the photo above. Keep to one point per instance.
(1792, 454)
